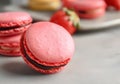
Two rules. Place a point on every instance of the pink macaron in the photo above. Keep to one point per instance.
(87, 8)
(47, 47)
(12, 23)
(12, 26)
(10, 45)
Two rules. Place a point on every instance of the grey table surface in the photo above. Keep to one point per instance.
(96, 61)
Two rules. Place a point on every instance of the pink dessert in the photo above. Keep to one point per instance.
(10, 45)
(47, 47)
(12, 23)
(12, 26)
(87, 8)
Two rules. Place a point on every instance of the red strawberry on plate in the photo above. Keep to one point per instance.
(66, 18)
(114, 3)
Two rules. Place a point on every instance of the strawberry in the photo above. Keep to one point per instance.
(114, 3)
(66, 18)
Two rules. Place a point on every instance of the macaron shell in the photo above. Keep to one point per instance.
(12, 53)
(10, 49)
(54, 70)
(44, 5)
(10, 39)
(84, 4)
(52, 6)
(12, 19)
(55, 43)
(10, 42)
(14, 31)
(87, 6)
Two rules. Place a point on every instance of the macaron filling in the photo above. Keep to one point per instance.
(9, 49)
(15, 27)
(13, 30)
(40, 66)
(90, 11)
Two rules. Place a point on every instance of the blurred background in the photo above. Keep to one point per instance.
(15, 2)
(4, 2)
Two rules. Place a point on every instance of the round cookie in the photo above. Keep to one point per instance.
(47, 47)
(10, 45)
(44, 5)
(12, 23)
(86, 8)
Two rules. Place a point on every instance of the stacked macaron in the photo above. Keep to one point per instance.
(45, 46)
(86, 8)
(12, 25)
(44, 5)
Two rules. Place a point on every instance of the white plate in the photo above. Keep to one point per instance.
(111, 18)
